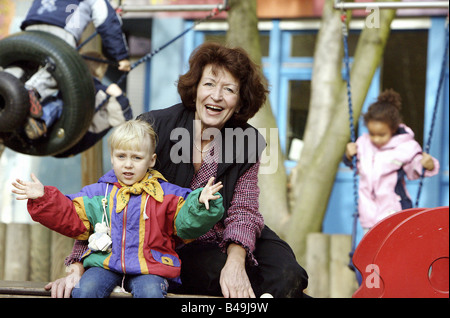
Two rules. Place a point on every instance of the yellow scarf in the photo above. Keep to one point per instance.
(149, 184)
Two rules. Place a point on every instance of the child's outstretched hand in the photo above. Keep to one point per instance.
(209, 192)
(28, 190)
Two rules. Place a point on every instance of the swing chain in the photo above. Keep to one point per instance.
(352, 135)
(435, 109)
(344, 23)
(216, 11)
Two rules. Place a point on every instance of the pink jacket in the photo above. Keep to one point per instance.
(381, 184)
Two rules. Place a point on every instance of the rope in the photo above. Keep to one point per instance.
(87, 40)
(352, 134)
(149, 56)
(91, 58)
(216, 11)
(436, 105)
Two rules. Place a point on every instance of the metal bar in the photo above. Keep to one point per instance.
(391, 5)
(174, 7)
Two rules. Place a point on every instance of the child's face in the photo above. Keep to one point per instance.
(130, 166)
(380, 133)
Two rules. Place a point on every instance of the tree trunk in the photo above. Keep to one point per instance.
(243, 32)
(320, 158)
(7, 10)
(327, 130)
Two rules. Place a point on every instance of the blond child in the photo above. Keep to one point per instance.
(135, 213)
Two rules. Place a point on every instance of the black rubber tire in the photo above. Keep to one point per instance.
(75, 83)
(14, 102)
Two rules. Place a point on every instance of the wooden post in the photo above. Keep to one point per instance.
(2, 148)
(92, 164)
(317, 264)
(61, 247)
(342, 279)
(40, 242)
(91, 159)
(17, 252)
(2, 249)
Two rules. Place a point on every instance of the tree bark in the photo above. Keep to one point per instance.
(243, 32)
(327, 130)
(320, 159)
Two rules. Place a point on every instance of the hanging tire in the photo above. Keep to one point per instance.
(32, 49)
(14, 102)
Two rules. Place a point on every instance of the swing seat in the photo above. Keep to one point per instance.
(30, 50)
(406, 255)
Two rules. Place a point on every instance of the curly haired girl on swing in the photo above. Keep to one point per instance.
(385, 155)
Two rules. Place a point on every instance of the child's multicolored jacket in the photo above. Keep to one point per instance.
(142, 233)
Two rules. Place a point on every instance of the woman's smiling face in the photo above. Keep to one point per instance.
(217, 97)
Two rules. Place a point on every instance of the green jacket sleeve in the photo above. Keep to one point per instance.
(194, 219)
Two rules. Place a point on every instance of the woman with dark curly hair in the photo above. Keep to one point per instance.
(252, 92)
(207, 135)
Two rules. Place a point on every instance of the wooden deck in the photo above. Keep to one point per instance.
(27, 289)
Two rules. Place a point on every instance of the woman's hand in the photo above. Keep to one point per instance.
(62, 288)
(28, 190)
(234, 281)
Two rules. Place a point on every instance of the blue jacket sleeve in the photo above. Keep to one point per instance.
(110, 30)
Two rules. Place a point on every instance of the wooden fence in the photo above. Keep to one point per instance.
(31, 252)
(327, 259)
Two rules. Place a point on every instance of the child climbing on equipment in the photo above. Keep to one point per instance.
(385, 155)
(67, 19)
(112, 107)
(131, 217)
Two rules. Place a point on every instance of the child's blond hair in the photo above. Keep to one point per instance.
(130, 134)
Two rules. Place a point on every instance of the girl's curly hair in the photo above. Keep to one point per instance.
(386, 109)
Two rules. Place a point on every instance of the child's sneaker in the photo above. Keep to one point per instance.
(35, 104)
(35, 128)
